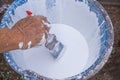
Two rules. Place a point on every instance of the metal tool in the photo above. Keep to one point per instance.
(55, 47)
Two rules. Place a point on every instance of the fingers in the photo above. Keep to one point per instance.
(36, 40)
(32, 28)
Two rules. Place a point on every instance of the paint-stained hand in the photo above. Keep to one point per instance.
(32, 29)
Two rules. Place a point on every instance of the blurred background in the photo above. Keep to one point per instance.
(111, 70)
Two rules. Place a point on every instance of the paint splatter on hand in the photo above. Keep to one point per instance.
(26, 33)
(33, 28)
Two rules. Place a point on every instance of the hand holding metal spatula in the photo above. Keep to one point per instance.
(27, 33)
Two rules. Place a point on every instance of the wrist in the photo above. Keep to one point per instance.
(21, 40)
(9, 39)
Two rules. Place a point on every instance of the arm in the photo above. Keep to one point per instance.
(9, 40)
(30, 29)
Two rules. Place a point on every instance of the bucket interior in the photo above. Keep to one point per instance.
(74, 13)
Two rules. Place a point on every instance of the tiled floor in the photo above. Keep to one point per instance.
(110, 71)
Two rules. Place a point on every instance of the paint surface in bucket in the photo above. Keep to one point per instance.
(72, 61)
(78, 16)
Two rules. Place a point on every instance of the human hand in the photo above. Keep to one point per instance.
(32, 28)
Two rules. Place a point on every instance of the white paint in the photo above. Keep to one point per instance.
(72, 62)
(20, 45)
(42, 41)
(29, 44)
(45, 23)
(76, 14)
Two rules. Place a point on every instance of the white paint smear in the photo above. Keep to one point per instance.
(21, 45)
(29, 44)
